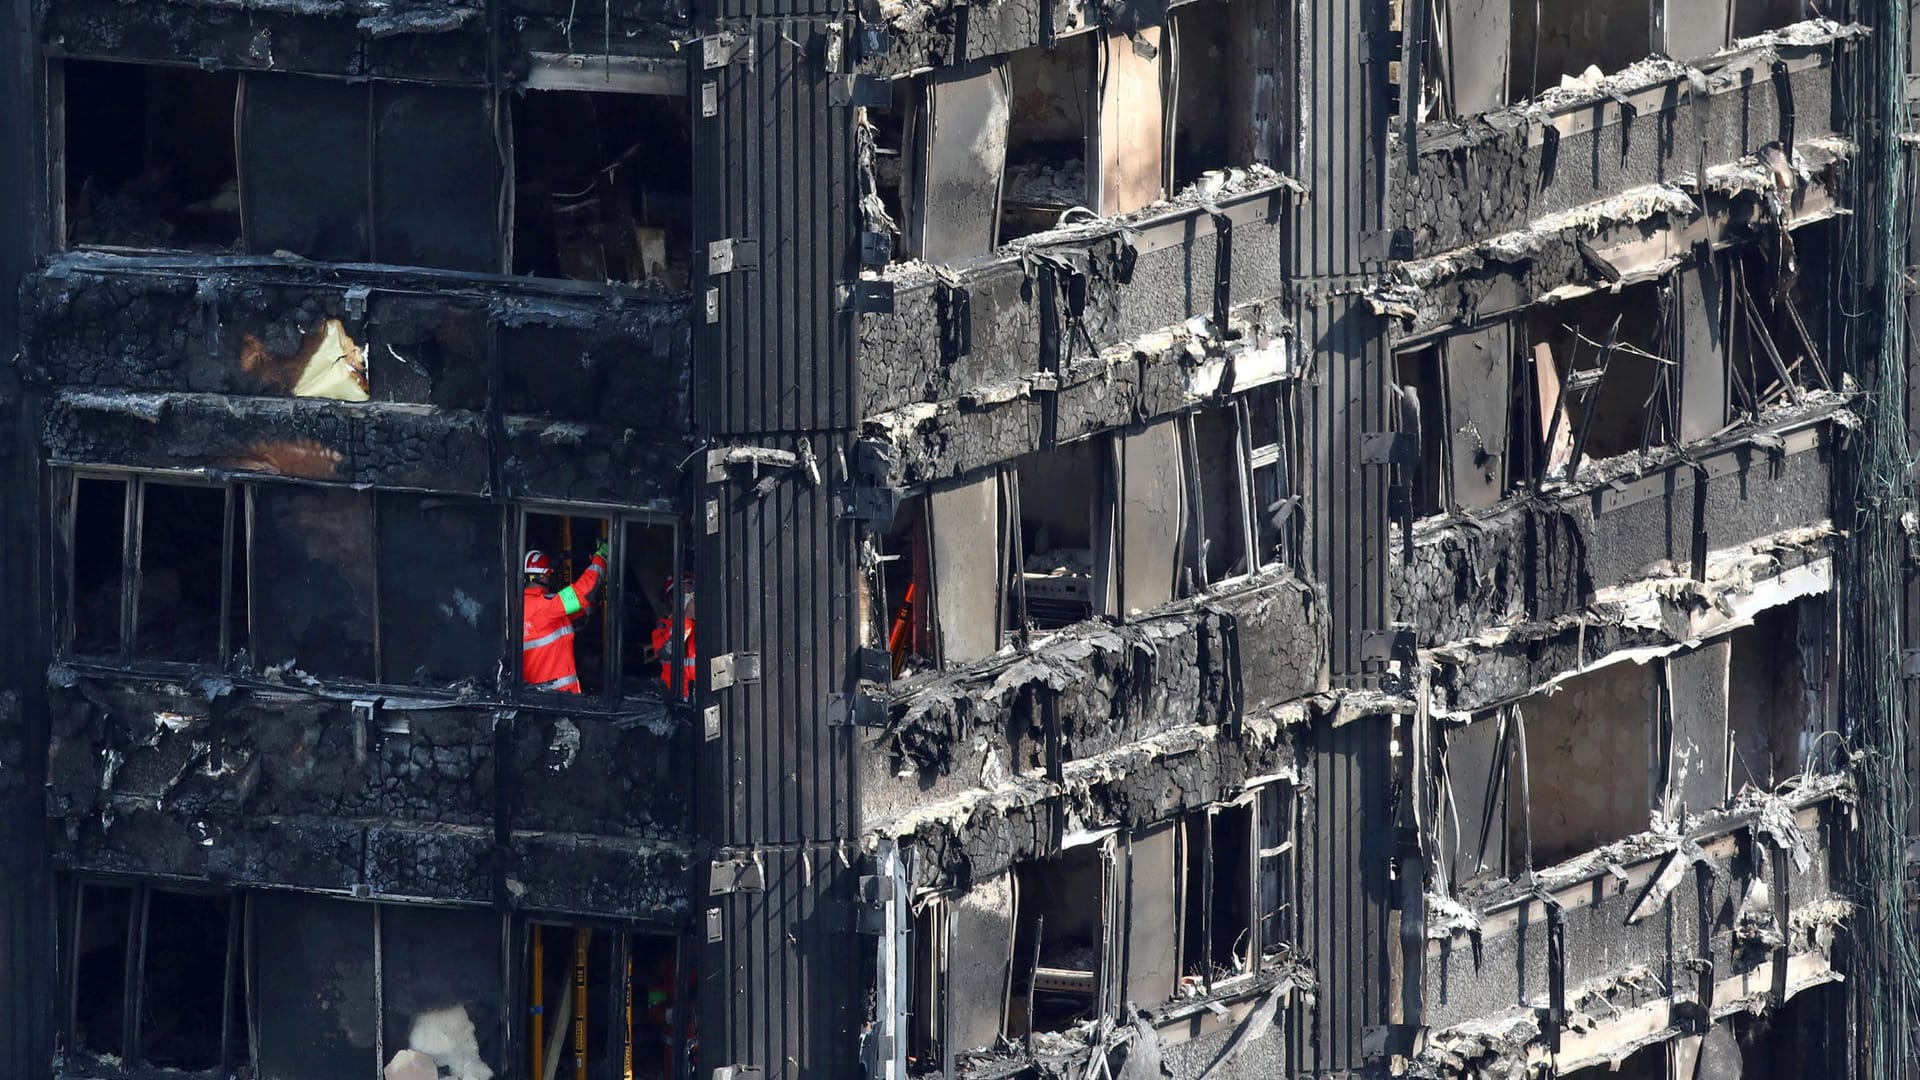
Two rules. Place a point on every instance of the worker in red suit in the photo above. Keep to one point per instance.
(679, 595)
(547, 618)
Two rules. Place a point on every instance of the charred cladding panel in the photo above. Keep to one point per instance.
(1343, 881)
(1340, 151)
(1346, 421)
(774, 233)
(779, 622)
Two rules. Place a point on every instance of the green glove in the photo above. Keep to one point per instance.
(601, 550)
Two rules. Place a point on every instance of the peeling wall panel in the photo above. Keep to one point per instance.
(1479, 366)
(971, 561)
(1697, 757)
(958, 211)
(1153, 517)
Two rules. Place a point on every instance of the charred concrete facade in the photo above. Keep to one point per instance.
(1231, 538)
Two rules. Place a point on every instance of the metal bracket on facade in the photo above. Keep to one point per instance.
(710, 722)
(716, 931)
(872, 459)
(725, 47)
(713, 306)
(870, 297)
(1398, 643)
(876, 249)
(876, 892)
(873, 665)
(858, 709)
(1389, 448)
(1382, 245)
(860, 92)
(728, 255)
(876, 504)
(725, 670)
(742, 873)
(357, 302)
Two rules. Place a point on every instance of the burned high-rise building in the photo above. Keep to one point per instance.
(768, 539)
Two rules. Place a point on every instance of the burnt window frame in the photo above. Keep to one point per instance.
(59, 234)
(519, 998)
(611, 597)
(235, 994)
(1283, 454)
(238, 509)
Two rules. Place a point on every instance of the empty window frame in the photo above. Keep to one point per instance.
(601, 1002)
(1615, 384)
(1244, 483)
(315, 600)
(349, 988)
(1570, 36)
(371, 172)
(1051, 127)
(961, 956)
(1770, 350)
(145, 157)
(1062, 922)
(442, 593)
(906, 589)
(1456, 397)
(603, 186)
(154, 979)
(942, 155)
(1778, 697)
(154, 569)
(1153, 535)
(1218, 893)
(1065, 508)
(1210, 92)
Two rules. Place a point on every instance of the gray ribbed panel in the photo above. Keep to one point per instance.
(787, 971)
(779, 580)
(1338, 109)
(1343, 887)
(775, 167)
(1345, 345)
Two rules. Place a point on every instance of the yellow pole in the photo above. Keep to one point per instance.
(538, 993)
(627, 1050)
(580, 939)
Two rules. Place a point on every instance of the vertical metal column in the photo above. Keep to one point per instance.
(776, 259)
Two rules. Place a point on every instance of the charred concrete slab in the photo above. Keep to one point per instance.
(1541, 558)
(197, 780)
(1669, 920)
(1639, 235)
(1072, 293)
(256, 326)
(1656, 122)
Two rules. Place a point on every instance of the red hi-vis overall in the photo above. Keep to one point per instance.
(546, 631)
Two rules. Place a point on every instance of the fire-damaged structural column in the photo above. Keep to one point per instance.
(26, 921)
(776, 254)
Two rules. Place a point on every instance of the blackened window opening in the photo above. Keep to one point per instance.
(1057, 493)
(1212, 109)
(104, 927)
(182, 557)
(653, 609)
(604, 187)
(1418, 374)
(99, 564)
(906, 572)
(630, 988)
(1061, 912)
(185, 980)
(1220, 493)
(149, 157)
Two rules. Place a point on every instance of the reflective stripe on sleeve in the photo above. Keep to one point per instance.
(560, 683)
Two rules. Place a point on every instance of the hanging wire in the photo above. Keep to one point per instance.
(1884, 964)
